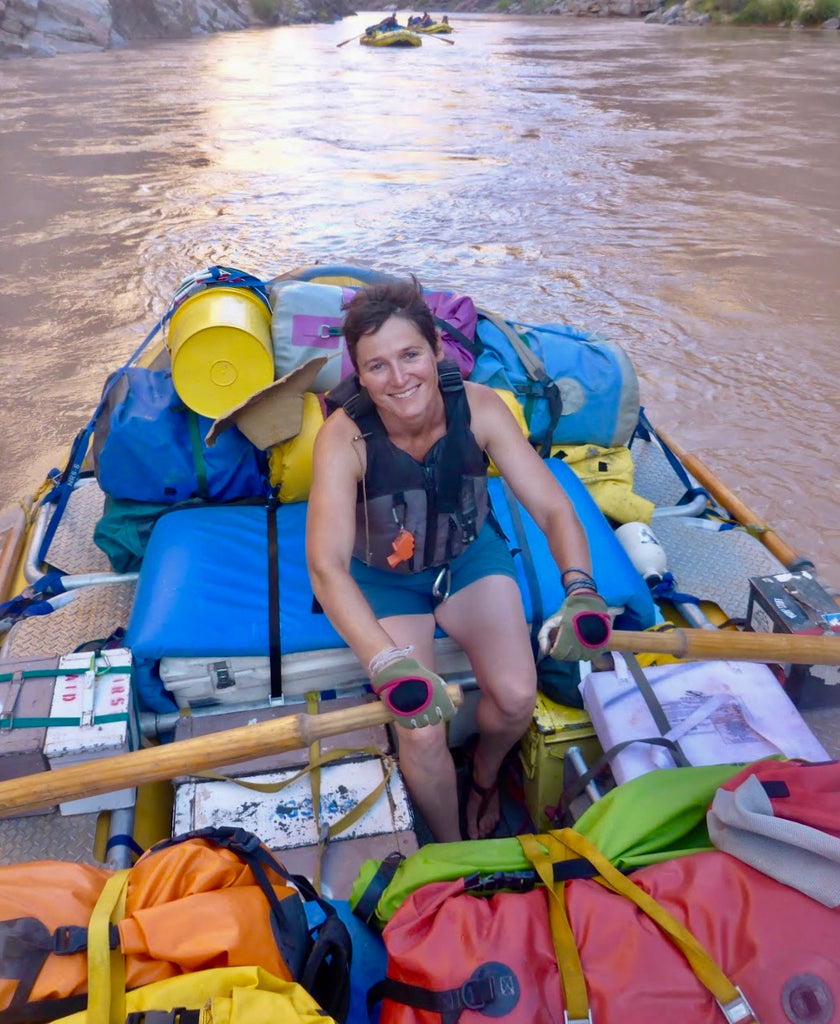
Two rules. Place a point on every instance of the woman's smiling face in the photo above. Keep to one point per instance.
(398, 368)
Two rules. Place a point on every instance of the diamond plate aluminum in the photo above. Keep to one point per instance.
(94, 612)
(714, 565)
(72, 548)
(654, 477)
(48, 837)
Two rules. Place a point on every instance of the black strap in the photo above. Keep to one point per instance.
(367, 903)
(25, 944)
(40, 1011)
(655, 708)
(532, 580)
(275, 653)
(552, 395)
(492, 990)
(475, 348)
(326, 974)
(574, 789)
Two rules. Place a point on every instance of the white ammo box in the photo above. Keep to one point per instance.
(93, 715)
(720, 712)
(284, 820)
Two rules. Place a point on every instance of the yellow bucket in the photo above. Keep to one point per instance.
(220, 345)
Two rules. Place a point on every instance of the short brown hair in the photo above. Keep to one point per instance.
(370, 307)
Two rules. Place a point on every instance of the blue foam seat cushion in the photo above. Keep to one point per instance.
(203, 588)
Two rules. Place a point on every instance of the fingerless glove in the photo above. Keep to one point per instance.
(416, 696)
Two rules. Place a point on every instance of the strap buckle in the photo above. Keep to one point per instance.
(177, 1015)
(68, 939)
(476, 993)
(577, 1020)
(738, 1010)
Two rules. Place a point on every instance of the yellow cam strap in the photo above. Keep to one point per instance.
(106, 966)
(556, 846)
(321, 830)
(568, 959)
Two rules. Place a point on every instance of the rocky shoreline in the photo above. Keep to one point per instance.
(45, 28)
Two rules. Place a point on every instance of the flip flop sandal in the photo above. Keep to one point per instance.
(486, 794)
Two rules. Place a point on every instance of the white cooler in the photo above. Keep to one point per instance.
(720, 712)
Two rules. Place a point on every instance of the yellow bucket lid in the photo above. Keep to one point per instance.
(220, 345)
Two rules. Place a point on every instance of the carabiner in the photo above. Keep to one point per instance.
(440, 588)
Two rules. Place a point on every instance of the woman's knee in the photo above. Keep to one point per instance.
(513, 698)
(422, 745)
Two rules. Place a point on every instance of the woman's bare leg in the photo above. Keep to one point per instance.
(425, 760)
(486, 618)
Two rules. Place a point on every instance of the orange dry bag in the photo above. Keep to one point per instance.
(216, 897)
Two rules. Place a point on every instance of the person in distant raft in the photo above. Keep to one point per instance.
(400, 538)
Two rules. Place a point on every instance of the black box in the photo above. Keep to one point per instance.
(795, 602)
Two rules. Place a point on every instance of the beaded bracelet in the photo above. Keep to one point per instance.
(576, 585)
(583, 572)
(583, 582)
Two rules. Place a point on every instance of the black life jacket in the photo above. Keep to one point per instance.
(442, 501)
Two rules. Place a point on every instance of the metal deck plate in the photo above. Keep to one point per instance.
(72, 548)
(654, 477)
(48, 837)
(714, 565)
(94, 612)
(824, 723)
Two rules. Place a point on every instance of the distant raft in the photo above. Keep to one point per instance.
(390, 37)
(435, 28)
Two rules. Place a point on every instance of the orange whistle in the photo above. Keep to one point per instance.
(403, 546)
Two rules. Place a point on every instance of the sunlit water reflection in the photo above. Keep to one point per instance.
(676, 188)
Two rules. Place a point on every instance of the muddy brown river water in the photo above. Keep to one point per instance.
(677, 188)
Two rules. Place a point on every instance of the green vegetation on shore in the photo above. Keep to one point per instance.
(805, 13)
(774, 12)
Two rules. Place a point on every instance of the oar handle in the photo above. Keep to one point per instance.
(731, 645)
(154, 764)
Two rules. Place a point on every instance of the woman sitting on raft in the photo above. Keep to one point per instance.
(400, 539)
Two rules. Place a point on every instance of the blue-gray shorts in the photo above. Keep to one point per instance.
(398, 593)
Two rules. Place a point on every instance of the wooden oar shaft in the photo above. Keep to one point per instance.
(736, 508)
(154, 764)
(730, 645)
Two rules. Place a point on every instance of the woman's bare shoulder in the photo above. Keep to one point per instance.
(488, 412)
(338, 442)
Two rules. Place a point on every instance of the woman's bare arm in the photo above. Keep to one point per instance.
(331, 533)
(532, 482)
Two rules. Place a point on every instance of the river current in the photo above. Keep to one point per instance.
(675, 188)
